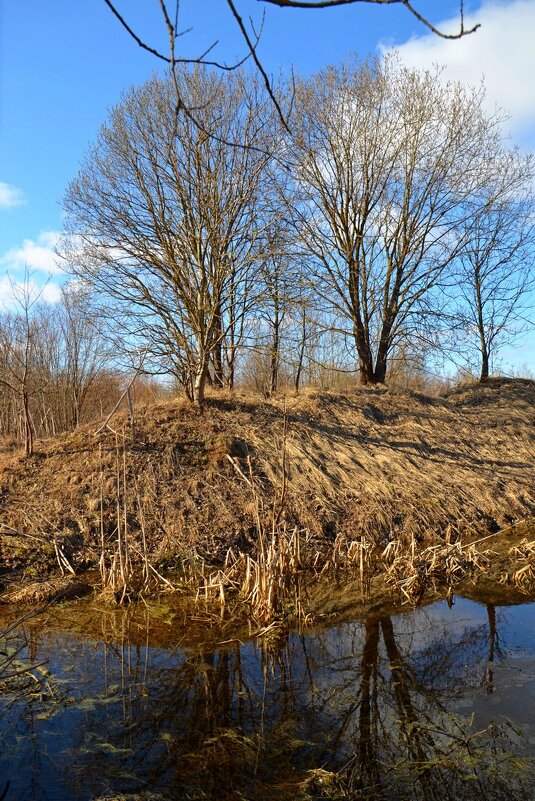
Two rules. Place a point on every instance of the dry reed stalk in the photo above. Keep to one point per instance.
(348, 554)
(267, 585)
(447, 564)
(152, 580)
(63, 562)
(524, 577)
(40, 522)
(123, 577)
(117, 571)
(524, 550)
(102, 560)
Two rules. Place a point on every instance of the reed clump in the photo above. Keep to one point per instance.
(126, 571)
(267, 585)
(354, 555)
(524, 576)
(412, 573)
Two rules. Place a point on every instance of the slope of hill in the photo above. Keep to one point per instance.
(378, 463)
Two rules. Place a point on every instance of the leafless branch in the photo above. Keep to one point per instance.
(252, 41)
(174, 33)
(311, 4)
(252, 49)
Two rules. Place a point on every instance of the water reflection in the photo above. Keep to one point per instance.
(404, 707)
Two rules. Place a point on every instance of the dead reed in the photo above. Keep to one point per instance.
(524, 576)
(267, 585)
(126, 571)
(412, 573)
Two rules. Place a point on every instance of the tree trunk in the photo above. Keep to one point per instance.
(301, 356)
(297, 380)
(481, 328)
(217, 358)
(366, 372)
(231, 364)
(379, 374)
(217, 352)
(75, 410)
(28, 429)
(381, 361)
(484, 366)
(230, 354)
(274, 368)
(199, 384)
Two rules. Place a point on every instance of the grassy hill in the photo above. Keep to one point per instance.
(379, 464)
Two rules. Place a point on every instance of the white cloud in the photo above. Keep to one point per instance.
(501, 51)
(10, 196)
(36, 255)
(39, 259)
(11, 292)
(51, 292)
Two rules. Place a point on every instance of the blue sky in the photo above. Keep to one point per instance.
(64, 63)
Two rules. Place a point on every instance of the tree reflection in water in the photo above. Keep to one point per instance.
(371, 709)
(410, 744)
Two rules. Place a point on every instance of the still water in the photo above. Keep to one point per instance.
(434, 703)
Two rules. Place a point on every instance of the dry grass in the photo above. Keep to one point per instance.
(363, 473)
(46, 592)
(522, 577)
(268, 586)
(412, 574)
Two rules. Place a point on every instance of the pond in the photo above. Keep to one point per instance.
(433, 703)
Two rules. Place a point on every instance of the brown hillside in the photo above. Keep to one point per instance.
(382, 462)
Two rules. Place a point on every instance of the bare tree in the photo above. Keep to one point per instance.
(19, 343)
(388, 162)
(50, 355)
(497, 265)
(168, 222)
(83, 352)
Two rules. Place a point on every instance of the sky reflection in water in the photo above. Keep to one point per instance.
(435, 703)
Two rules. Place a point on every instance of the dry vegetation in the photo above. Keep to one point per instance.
(267, 490)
